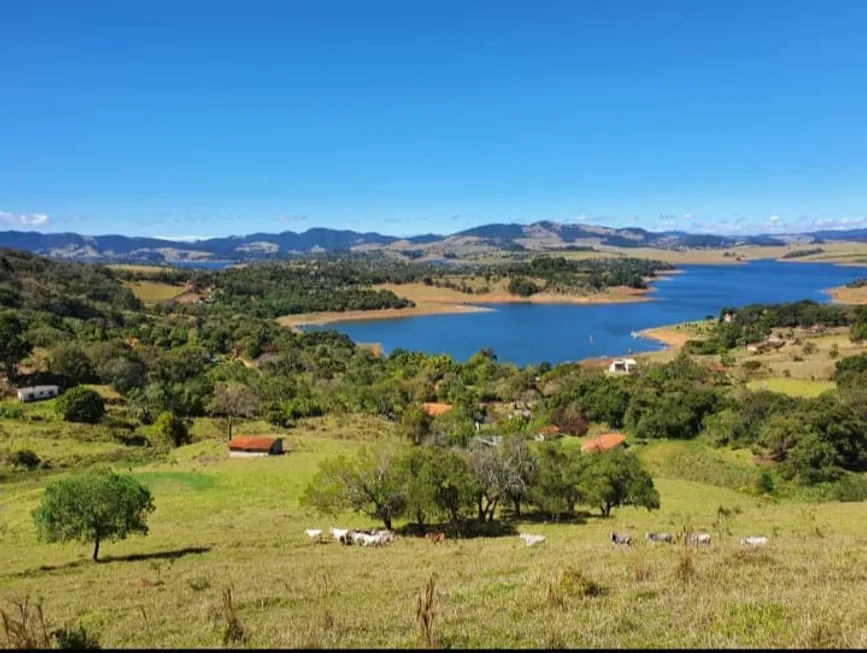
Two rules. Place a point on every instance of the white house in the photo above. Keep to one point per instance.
(37, 392)
(626, 365)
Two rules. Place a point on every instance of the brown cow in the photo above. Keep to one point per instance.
(436, 538)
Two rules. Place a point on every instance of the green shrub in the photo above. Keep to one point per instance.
(81, 405)
(25, 458)
(850, 488)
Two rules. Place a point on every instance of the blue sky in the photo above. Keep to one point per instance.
(202, 119)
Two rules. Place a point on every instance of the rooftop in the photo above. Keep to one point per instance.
(252, 442)
(435, 409)
(604, 442)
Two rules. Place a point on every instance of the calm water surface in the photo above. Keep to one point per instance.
(532, 333)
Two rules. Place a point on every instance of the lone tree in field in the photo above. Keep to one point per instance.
(370, 484)
(93, 507)
(81, 405)
(615, 478)
(231, 402)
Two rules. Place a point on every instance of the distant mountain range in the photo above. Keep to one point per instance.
(539, 236)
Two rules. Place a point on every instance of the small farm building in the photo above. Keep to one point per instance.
(604, 442)
(623, 365)
(435, 410)
(37, 392)
(244, 447)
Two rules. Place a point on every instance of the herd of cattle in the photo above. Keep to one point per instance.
(382, 537)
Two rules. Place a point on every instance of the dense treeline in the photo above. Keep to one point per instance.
(464, 487)
(565, 275)
(754, 323)
(30, 282)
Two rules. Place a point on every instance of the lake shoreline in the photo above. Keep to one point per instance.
(847, 296)
(620, 295)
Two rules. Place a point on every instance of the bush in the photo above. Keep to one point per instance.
(171, 430)
(522, 287)
(25, 458)
(8, 411)
(81, 405)
(751, 366)
(850, 488)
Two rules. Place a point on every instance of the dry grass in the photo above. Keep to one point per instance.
(151, 292)
(844, 295)
(237, 523)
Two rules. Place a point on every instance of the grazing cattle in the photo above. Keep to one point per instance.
(357, 536)
(379, 539)
(659, 537)
(314, 534)
(699, 538)
(436, 538)
(621, 540)
(754, 541)
(530, 540)
(338, 533)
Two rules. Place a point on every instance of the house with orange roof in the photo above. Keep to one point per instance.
(604, 442)
(435, 409)
(253, 446)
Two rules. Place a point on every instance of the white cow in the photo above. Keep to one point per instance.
(337, 533)
(699, 538)
(314, 534)
(530, 540)
(754, 541)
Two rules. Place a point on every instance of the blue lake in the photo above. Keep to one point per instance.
(532, 333)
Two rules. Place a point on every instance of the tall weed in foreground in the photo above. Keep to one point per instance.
(227, 618)
(685, 569)
(25, 627)
(426, 613)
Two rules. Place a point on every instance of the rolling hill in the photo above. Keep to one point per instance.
(539, 236)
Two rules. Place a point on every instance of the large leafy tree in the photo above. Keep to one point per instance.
(371, 484)
(95, 507)
(13, 347)
(555, 487)
(616, 478)
(69, 361)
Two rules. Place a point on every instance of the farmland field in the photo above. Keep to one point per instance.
(228, 523)
(151, 292)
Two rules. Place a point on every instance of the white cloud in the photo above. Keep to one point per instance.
(292, 218)
(774, 219)
(23, 219)
(687, 216)
(839, 223)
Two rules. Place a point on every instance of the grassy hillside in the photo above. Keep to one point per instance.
(224, 523)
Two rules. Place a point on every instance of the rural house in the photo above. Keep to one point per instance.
(548, 433)
(621, 365)
(246, 447)
(37, 392)
(604, 442)
(435, 410)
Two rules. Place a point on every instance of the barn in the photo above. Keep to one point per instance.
(604, 442)
(37, 392)
(247, 446)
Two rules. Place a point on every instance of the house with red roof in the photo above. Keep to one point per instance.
(252, 446)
